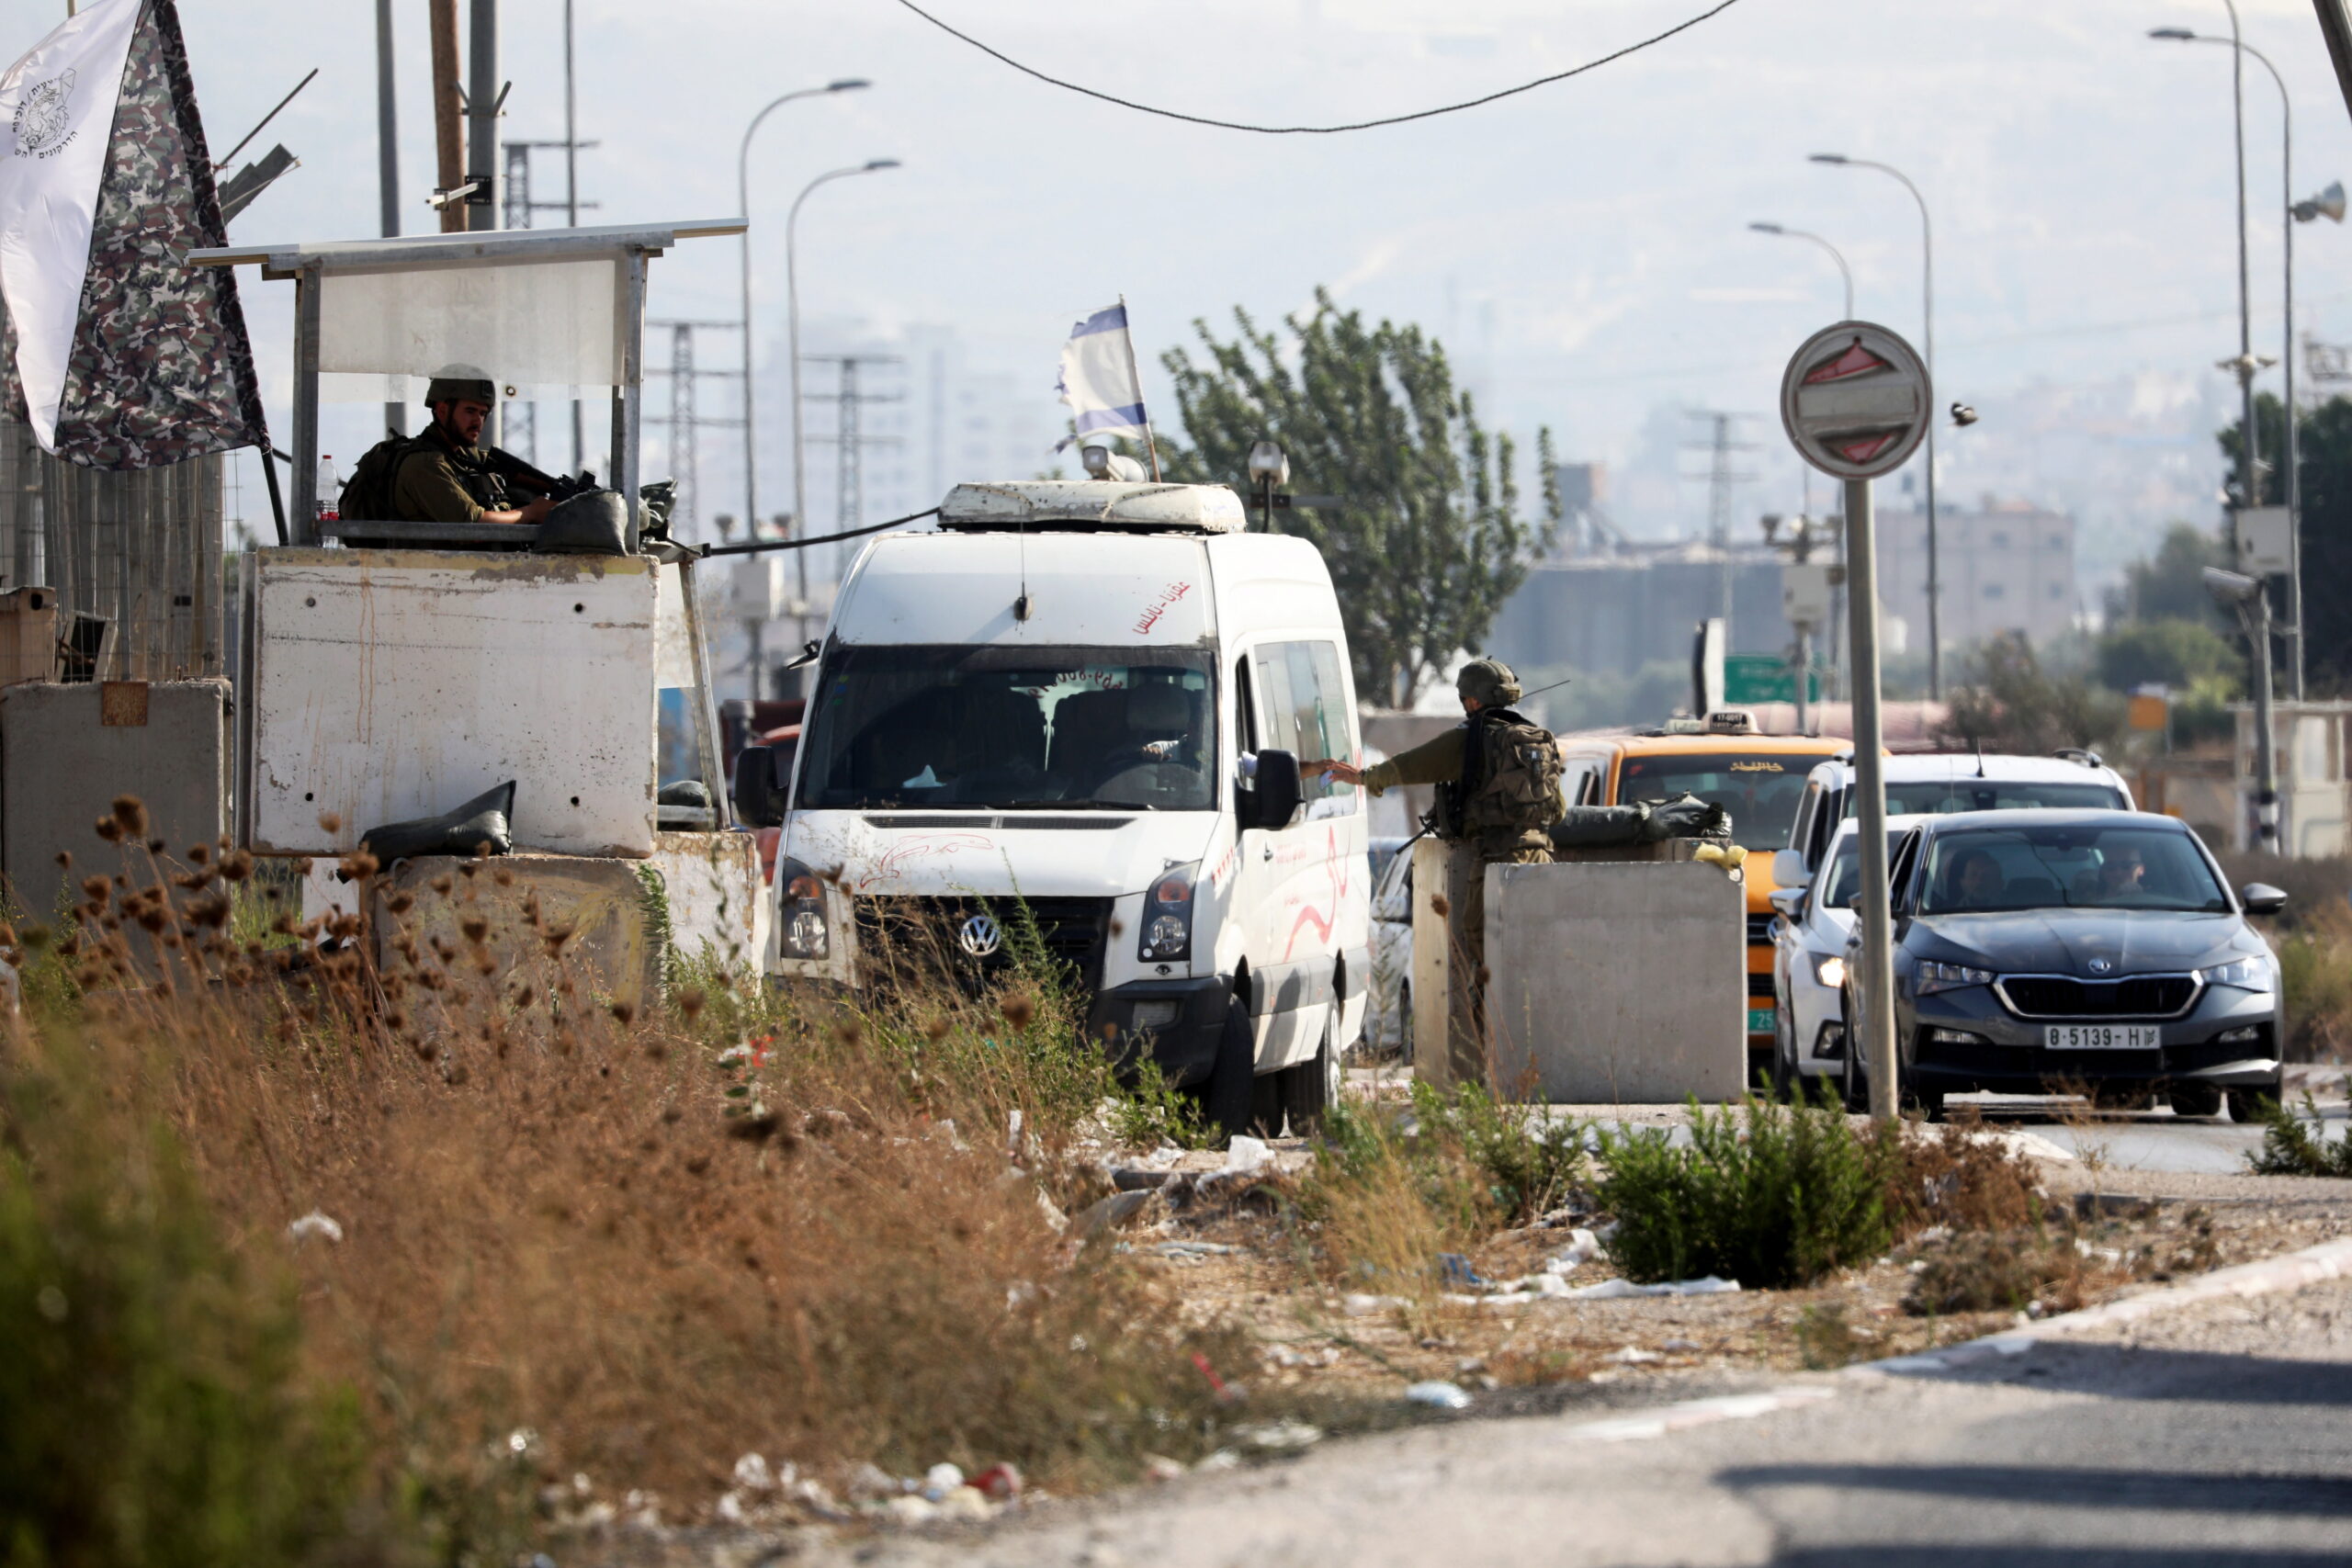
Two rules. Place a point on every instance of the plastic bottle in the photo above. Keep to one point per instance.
(327, 507)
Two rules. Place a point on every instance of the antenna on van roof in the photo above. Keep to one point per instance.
(1980, 756)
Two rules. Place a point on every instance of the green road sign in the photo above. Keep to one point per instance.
(1763, 678)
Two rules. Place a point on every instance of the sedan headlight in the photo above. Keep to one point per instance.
(1830, 970)
(800, 913)
(1168, 917)
(2250, 974)
(1933, 977)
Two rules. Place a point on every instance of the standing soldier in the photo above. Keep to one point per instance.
(1498, 779)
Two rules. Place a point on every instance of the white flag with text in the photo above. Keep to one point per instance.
(57, 109)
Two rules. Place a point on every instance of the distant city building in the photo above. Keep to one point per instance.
(2007, 566)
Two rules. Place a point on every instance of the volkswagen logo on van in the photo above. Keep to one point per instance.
(980, 936)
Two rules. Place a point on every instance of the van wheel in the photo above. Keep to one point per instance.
(1311, 1088)
(1226, 1097)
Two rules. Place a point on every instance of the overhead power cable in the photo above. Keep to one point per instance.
(757, 546)
(1634, 48)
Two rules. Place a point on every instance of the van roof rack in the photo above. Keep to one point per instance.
(1071, 506)
(2072, 753)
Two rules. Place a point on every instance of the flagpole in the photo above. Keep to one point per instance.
(1127, 331)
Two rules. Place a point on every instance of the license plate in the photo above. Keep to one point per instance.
(1759, 1021)
(2101, 1037)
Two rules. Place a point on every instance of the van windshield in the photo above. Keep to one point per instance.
(1012, 728)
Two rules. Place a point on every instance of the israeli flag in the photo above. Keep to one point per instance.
(1098, 379)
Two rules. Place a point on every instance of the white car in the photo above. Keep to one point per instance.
(1814, 918)
(1389, 1021)
(1940, 783)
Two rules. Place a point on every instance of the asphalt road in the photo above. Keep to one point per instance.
(2216, 1435)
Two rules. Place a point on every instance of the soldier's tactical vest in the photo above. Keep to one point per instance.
(1510, 779)
(368, 494)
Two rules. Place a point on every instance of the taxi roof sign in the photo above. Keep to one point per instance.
(1855, 401)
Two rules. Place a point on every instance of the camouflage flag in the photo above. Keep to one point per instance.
(160, 369)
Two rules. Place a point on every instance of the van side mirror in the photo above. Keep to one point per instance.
(760, 789)
(1789, 901)
(2261, 898)
(1278, 794)
(1787, 868)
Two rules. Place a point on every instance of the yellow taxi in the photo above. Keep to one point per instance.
(1758, 779)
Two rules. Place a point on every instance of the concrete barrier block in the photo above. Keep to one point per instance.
(430, 915)
(67, 751)
(712, 885)
(1617, 982)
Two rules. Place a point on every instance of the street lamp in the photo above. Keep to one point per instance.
(1928, 323)
(2295, 212)
(1843, 270)
(792, 343)
(2251, 602)
(743, 209)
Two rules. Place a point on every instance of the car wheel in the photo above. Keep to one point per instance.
(1309, 1088)
(2194, 1100)
(2246, 1105)
(2123, 1098)
(1404, 1024)
(1929, 1102)
(1853, 1075)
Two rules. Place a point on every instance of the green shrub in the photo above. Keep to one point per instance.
(151, 1402)
(1776, 1195)
(1529, 1164)
(2296, 1144)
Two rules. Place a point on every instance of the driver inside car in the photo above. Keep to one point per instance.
(2123, 871)
(1977, 882)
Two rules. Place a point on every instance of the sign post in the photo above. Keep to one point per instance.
(1856, 402)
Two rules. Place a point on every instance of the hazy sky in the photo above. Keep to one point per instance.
(1582, 248)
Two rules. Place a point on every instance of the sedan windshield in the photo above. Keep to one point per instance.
(1014, 728)
(1760, 793)
(2088, 867)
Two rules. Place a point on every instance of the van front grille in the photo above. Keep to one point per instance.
(904, 939)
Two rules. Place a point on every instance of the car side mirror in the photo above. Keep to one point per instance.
(759, 788)
(2261, 898)
(1789, 901)
(1278, 794)
(1788, 867)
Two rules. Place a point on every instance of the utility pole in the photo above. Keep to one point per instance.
(1721, 477)
(387, 163)
(571, 201)
(850, 438)
(484, 99)
(449, 167)
(686, 424)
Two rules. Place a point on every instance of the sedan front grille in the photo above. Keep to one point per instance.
(2063, 996)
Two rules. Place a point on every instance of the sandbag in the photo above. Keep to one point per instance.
(461, 831)
(1685, 817)
(1600, 827)
(594, 522)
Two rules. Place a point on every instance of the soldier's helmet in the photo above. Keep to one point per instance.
(1488, 682)
(460, 384)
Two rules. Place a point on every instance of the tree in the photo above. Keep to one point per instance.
(1428, 540)
(2170, 585)
(2165, 653)
(2009, 702)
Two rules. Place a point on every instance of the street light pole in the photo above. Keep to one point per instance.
(1843, 270)
(743, 209)
(1927, 325)
(792, 343)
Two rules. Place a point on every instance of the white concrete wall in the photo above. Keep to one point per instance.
(394, 684)
(1617, 982)
(715, 891)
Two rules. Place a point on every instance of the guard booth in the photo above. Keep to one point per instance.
(394, 671)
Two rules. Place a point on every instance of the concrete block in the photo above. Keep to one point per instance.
(607, 907)
(1617, 982)
(712, 885)
(67, 751)
(393, 684)
(27, 634)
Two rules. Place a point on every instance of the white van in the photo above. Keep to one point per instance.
(1084, 704)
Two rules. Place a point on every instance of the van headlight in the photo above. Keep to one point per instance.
(1933, 977)
(800, 911)
(1168, 917)
(2249, 973)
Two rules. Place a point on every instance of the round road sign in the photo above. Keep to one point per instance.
(1855, 400)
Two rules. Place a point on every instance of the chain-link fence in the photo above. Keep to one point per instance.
(133, 557)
